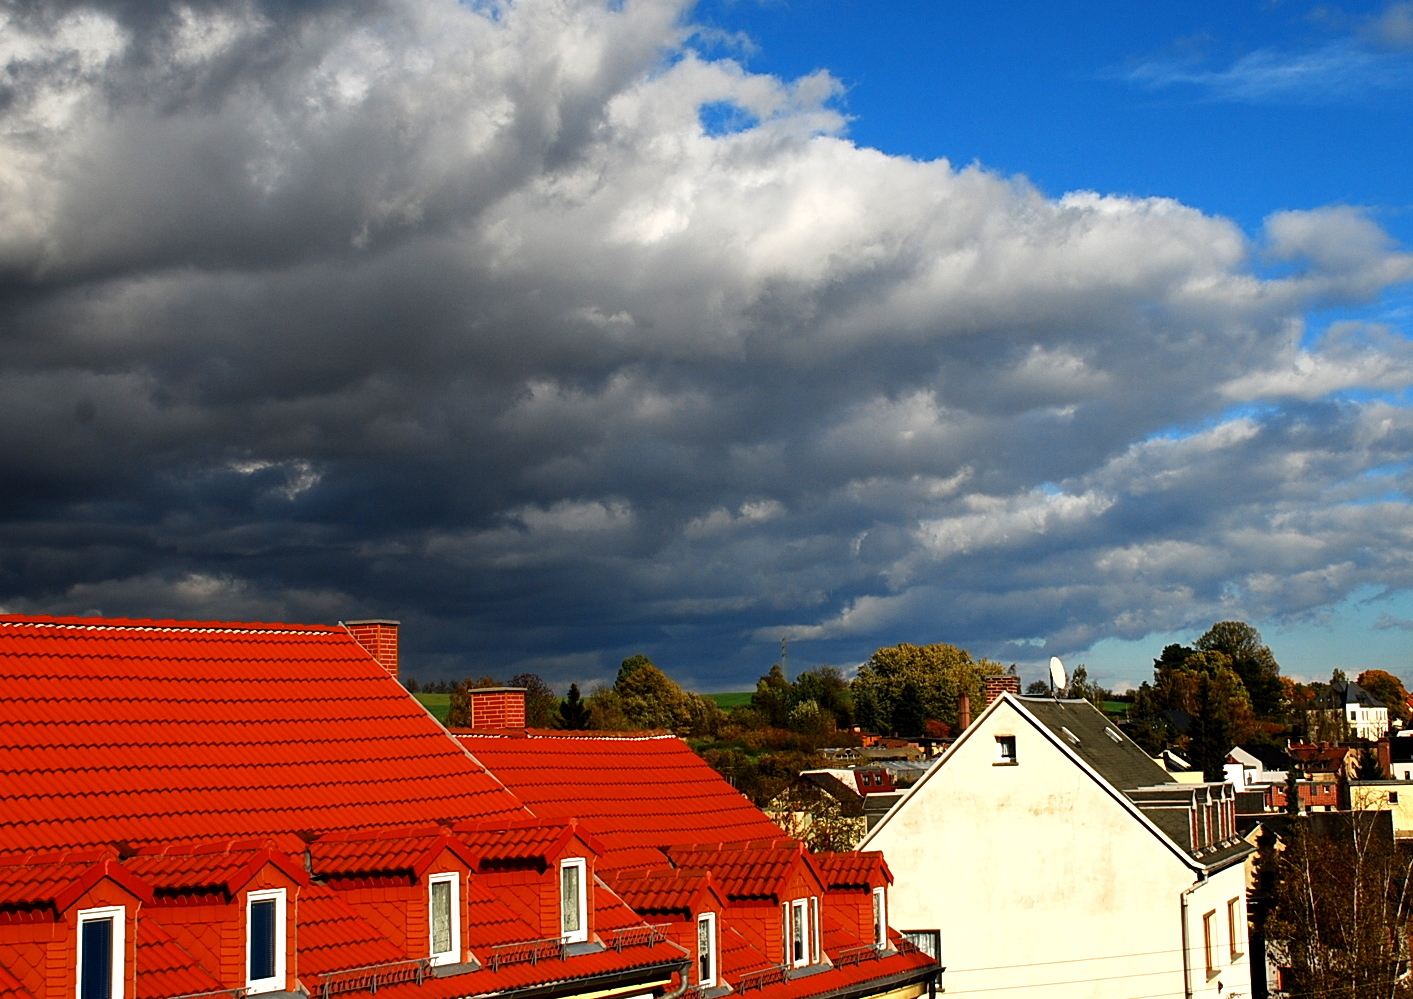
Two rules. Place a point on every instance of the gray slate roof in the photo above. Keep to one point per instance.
(1120, 762)
(1349, 692)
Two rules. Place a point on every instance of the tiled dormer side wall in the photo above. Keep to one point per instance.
(386, 903)
(269, 878)
(42, 950)
(204, 931)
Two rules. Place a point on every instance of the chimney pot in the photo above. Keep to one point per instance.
(379, 639)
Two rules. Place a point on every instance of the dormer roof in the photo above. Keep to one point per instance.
(404, 852)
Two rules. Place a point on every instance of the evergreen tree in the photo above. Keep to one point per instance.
(572, 712)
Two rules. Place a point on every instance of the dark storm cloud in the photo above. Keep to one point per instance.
(454, 312)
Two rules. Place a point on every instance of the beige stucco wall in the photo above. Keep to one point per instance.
(1375, 797)
(1046, 887)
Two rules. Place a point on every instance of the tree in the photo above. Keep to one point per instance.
(1081, 686)
(772, 698)
(650, 698)
(908, 714)
(1388, 689)
(1369, 768)
(1342, 902)
(826, 686)
(1252, 660)
(573, 714)
(938, 675)
(630, 666)
(1037, 688)
(539, 699)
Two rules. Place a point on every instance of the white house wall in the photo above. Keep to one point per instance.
(1042, 884)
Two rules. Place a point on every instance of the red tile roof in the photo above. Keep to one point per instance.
(12, 988)
(635, 791)
(164, 969)
(157, 731)
(59, 880)
(856, 871)
(383, 852)
(509, 845)
(173, 871)
(332, 937)
(754, 871)
(673, 893)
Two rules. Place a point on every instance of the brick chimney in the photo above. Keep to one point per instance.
(964, 713)
(496, 707)
(998, 685)
(379, 638)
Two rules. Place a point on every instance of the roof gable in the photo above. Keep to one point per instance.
(229, 729)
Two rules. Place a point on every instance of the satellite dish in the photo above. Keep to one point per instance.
(1059, 679)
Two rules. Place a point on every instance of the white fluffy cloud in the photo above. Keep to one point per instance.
(459, 312)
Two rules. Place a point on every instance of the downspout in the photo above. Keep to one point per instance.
(1186, 951)
(686, 982)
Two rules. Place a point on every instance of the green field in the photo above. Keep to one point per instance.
(437, 704)
(733, 699)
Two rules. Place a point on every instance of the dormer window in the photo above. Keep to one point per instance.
(100, 952)
(444, 901)
(265, 940)
(573, 903)
(880, 918)
(799, 933)
(706, 949)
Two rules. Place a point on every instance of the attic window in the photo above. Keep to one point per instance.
(573, 904)
(265, 940)
(1005, 749)
(445, 918)
(706, 949)
(1074, 739)
(100, 952)
(1117, 739)
(880, 918)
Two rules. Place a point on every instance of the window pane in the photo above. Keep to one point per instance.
(97, 944)
(569, 899)
(799, 932)
(441, 917)
(262, 939)
(703, 950)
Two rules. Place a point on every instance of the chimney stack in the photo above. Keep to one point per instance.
(998, 685)
(964, 713)
(496, 707)
(379, 639)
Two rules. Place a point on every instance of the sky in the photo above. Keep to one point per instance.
(562, 330)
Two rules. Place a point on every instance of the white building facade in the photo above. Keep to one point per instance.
(1060, 862)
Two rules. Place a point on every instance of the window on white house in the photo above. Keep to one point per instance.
(880, 918)
(444, 902)
(265, 940)
(1209, 941)
(573, 900)
(706, 949)
(100, 952)
(1393, 797)
(1236, 927)
(799, 933)
(1005, 749)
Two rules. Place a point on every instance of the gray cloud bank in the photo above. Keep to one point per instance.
(456, 312)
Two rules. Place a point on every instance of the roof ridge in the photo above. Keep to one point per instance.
(162, 625)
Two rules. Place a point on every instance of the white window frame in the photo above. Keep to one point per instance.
(582, 866)
(815, 923)
(709, 920)
(276, 982)
(880, 921)
(452, 956)
(119, 915)
(800, 914)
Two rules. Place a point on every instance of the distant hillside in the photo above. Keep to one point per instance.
(733, 699)
(438, 704)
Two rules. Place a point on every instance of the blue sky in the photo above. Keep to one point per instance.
(1238, 108)
(567, 329)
